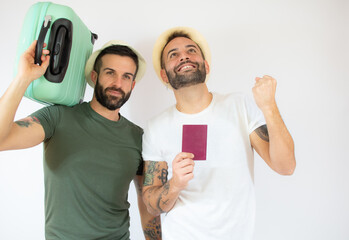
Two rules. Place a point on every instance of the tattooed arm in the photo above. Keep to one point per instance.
(24, 133)
(160, 194)
(151, 224)
(273, 143)
(16, 135)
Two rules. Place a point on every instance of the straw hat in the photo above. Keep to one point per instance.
(162, 41)
(91, 61)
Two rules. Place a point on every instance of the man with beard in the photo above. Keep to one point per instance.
(91, 152)
(213, 197)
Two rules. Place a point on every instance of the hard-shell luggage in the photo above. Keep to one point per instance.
(70, 43)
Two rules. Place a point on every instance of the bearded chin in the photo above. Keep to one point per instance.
(180, 81)
(110, 102)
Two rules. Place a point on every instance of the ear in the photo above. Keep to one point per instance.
(207, 67)
(164, 75)
(94, 76)
(133, 84)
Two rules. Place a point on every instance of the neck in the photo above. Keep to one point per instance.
(193, 99)
(112, 115)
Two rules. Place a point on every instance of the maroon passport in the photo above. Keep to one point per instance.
(194, 140)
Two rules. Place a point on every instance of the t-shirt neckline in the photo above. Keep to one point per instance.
(203, 112)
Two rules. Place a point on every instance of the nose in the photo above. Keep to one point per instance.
(184, 57)
(117, 81)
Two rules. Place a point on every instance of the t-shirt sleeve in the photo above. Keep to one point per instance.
(48, 117)
(254, 114)
(140, 169)
(150, 147)
(141, 162)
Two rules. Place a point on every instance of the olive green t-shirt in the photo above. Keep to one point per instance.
(89, 162)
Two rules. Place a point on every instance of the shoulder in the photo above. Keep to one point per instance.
(52, 109)
(165, 117)
(132, 126)
(234, 98)
(56, 112)
(63, 108)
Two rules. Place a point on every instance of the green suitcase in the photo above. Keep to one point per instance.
(70, 43)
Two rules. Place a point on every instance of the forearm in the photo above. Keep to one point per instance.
(151, 224)
(281, 145)
(9, 103)
(160, 199)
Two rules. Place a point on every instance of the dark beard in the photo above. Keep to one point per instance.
(179, 81)
(110, 102)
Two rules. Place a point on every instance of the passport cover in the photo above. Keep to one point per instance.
(194, 140)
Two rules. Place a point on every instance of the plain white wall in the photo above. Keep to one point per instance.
(303, 44)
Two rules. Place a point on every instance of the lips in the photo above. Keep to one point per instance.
(186, 66)
(115, 91)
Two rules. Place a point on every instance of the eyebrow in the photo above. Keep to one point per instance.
(110, 69)
(187, 46)
(172, 50)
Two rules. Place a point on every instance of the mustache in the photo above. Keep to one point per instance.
(188, 61)
(115, 89)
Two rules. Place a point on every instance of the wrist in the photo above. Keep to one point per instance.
(22, 81)
(270, 109)
(173, 186)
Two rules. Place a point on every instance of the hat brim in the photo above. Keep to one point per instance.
(160, 43)
(91, 61)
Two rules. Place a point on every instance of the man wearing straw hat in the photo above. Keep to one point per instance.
(199, 153)
(91, 152)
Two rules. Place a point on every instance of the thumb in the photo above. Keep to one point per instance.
(31, 48)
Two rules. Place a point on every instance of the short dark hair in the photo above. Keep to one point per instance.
(120, 50)
(174, 35)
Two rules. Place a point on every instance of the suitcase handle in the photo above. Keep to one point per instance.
(41, 40)
(58, 50)
(60, 44)
(94, 37)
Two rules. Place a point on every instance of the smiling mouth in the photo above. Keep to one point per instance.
(185, 67)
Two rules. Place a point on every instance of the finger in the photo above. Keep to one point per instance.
(31, 49)
(258, 83)
(184, 177)
(45, 61)
(187, 155)
(188, 177)
(32, 46)
(182, 155)
(267, 80)
(267, 77)
(187, 169)
(45, 52)
(184, 170)
(186, 162)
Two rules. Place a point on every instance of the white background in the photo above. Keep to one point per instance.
(303, 44)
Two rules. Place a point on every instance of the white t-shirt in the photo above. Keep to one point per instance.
(219, 201)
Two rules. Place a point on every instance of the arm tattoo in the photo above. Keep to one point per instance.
(149, 173)
(152, 231)
(164, 192)
(163, 176)
(26, 122)
(262, 132)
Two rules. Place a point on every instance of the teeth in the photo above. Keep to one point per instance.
(186, 67)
